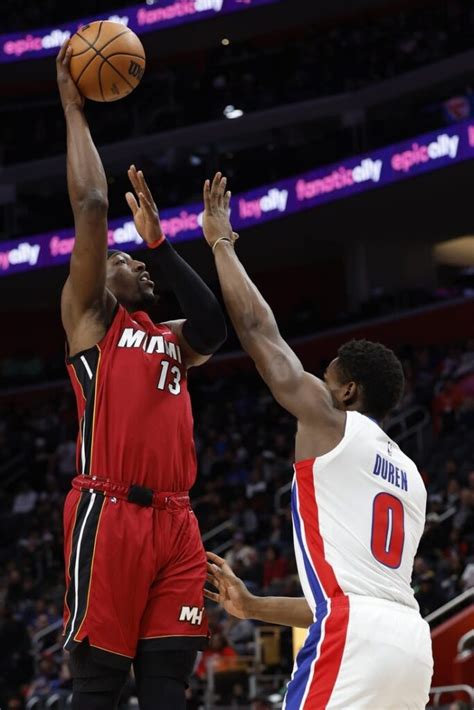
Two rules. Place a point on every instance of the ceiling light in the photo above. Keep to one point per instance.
(232, 112)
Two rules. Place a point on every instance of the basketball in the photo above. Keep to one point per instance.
(108, 60)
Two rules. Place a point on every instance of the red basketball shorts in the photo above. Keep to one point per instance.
(134, 576)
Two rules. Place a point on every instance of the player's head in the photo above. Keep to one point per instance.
(365, 377)
(129, 280)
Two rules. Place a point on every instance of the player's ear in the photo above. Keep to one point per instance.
(351, 391)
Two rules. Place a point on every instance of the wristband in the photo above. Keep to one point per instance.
(156, 243)
(221, 239)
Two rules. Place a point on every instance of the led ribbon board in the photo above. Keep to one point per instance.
(426, 153)
(139, 18)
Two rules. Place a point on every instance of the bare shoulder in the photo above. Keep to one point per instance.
(316, 405)
(321, 425)
(84, 328)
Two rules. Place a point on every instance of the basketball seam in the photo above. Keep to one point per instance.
(118, 72)
(78, 54)
(98, 51)
(105, 59)
(91, 46)
(100, 82)
(126, 54)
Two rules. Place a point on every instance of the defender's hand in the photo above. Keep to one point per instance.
(232, 593)
(68, 91)
(145, 211)
(216, 222)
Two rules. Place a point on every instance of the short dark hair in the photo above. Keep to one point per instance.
(379, 372)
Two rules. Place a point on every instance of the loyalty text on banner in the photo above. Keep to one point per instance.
(351, 177)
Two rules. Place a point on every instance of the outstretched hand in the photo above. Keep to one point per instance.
(145, 212)
(232, 593)
(68, 91)
(216, 222)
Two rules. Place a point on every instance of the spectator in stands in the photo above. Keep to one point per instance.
(63, 461)
(220, 654)
(463, 523)
(240, 634)
(16, 662)
(47, 678)
(446, 405)
(467, 579)
(240, 551)
(243, 517)
(275, 566)
(25, 499)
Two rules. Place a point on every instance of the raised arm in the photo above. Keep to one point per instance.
(85, 299)
(236, 599)
(203, 330)
(299, 392)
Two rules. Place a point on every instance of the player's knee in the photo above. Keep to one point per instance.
(177, 665)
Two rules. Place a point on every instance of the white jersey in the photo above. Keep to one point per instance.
(358, 514)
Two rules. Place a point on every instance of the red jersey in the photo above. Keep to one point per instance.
(135, 417)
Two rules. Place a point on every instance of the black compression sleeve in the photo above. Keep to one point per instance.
(205, 328)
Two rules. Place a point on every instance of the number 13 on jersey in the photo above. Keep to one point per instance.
(388, 530)
(175, 385)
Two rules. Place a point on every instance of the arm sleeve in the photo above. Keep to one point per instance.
(205, 329)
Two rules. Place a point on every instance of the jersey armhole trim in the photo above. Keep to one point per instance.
(74, 358)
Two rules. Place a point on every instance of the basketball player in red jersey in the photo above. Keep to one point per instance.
(135, 564)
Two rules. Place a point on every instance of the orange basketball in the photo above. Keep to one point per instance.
(107, 62)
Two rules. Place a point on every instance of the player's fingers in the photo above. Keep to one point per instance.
(144, 187)
(215, 189)
(62, 51)
(219, 561)
(206, 195)
(211, 595)
(221, 189)
(146, 204)
(67, 57)
(132, 203)
(133, 177)
(222, 571)
(227, 197)
(213, 580)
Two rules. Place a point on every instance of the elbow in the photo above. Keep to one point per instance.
(206, 338)
(217, 329)
(93, 201)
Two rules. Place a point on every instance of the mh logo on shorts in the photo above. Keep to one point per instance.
(191, 614)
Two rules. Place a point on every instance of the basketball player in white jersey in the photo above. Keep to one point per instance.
(358, 507)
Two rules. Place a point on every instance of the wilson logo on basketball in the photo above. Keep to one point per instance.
(135, 70)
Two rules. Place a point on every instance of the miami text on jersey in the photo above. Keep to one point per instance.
(132, 338)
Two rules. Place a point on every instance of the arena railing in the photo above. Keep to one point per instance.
(214, 532)
(466, 642)
(12, 470)
(437, 693)
(351, 107)
(451, 607)
(36, 638)
(411, 422)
